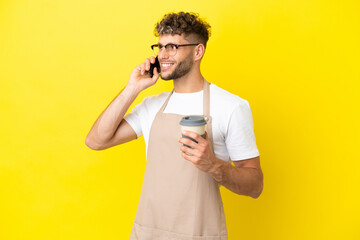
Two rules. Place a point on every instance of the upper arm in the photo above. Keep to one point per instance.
(240, 137)
(257, 176)
(124, 133)
(248, 163)
(253, 163)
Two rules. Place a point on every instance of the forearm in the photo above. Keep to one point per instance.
(243, 181)
(106, 124)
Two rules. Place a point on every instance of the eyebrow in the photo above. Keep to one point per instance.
(166, 43)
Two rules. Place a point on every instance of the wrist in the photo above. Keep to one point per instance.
(131, 90)
(217, 171)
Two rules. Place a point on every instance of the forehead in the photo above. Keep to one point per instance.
(168, 38)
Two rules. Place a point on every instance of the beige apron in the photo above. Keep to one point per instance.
(178, 200)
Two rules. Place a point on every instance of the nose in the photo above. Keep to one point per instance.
(162, 54)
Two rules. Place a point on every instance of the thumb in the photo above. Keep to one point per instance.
(156, 74)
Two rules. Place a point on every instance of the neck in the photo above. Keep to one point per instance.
(191, 82)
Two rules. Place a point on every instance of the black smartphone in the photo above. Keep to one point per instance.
(155, 65)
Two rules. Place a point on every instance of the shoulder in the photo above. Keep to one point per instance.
(224, 99)
(155, 100)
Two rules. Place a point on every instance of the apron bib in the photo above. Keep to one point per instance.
(178, 200)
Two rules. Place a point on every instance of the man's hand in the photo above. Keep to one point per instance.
(201, 153)
(246, 179)
(140, 77)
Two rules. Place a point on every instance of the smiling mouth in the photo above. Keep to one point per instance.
(166, 66)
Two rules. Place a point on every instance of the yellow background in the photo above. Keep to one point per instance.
(63, 61)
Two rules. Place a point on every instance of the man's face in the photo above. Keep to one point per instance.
(173, 67)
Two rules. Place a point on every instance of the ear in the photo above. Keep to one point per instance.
(199, 52)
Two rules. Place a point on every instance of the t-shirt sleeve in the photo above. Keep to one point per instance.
(134, 120)
(240, 138)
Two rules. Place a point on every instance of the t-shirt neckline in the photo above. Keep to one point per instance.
(194, 93)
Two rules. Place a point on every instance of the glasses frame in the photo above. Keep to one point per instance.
(176, 47)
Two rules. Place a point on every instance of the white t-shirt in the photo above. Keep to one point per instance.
(232, 123)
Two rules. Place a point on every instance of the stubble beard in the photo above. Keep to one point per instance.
(181, 69)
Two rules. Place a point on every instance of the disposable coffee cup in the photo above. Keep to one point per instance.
(194, 124)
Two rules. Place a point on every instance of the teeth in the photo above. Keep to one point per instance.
(166, 64)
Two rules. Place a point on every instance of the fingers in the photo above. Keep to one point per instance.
(156, 74)
(145, 66)
(189, 151)
(142, 68)
(198, 147)
(189, 157)
(188, 142)
(195, 136)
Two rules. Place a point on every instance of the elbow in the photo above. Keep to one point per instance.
(92, 145)
(259, 188)
(256, 194)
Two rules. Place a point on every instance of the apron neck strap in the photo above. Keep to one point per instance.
(206, 99)
(166, 102)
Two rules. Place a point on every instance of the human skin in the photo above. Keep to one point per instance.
(245, 178)
(111, 129)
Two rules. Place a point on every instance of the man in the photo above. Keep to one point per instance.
(180, 197)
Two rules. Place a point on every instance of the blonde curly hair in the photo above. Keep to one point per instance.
(184, 23)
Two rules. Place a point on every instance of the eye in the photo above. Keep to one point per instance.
(170, 46)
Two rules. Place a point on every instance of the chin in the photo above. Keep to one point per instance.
(165, 78)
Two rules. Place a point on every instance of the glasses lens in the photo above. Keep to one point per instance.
(171, 49)
(155, 49)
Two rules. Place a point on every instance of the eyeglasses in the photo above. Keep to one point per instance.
(170, 48)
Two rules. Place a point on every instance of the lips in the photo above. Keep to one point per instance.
(166, 65)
